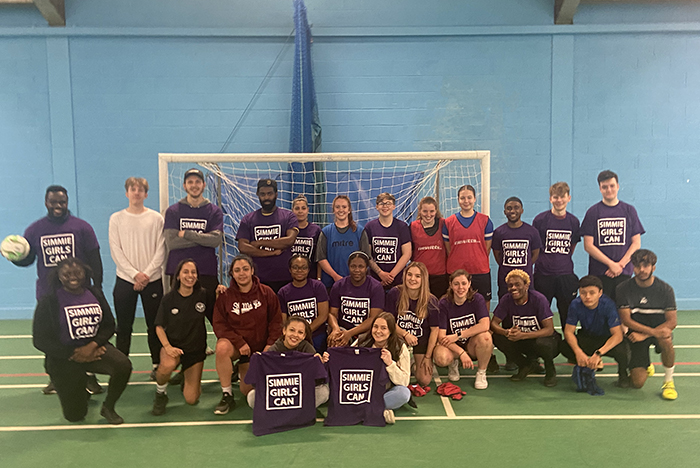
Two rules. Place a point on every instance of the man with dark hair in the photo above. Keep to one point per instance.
(600, 334)
(267, 235)
(559, 233)
(647, 307)
(193, 229)
(611, 233)
(57, 236)
(516, 244)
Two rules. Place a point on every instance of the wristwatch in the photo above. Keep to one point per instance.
(597, 352)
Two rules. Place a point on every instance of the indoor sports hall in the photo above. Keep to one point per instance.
(406, 96)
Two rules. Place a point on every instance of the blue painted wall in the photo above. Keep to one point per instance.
(93, 103)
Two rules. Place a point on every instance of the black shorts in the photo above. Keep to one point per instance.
(482, 284)
(189, 359)
(421, 348)
(640, 353)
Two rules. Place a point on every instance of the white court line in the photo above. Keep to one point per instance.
(449, 411)
(505, 417)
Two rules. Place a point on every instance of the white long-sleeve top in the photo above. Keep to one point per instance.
(137, 244)
(400, 371)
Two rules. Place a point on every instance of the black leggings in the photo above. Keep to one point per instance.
(69, 379)
(523, 351)
(590, 343)
(125, 299)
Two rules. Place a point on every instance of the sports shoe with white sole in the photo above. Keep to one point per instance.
(453, 371)
(226, 404)
(480, 382)
(668, 391)
(389, 416)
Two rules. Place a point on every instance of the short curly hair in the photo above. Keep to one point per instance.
(520, 274)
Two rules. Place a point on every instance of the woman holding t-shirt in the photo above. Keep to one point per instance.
(355, 301)
(467, 236)
(464, 330)
(306, 298)
(384, 335)
(307, 239)
(417, 318)
(72, 326)
(337, 241)
(429, 245)
(180, 328)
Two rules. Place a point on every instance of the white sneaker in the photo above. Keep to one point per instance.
(480, 383)
(453, 371)
(389, 416)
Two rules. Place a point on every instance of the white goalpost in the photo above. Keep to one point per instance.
(232, 181)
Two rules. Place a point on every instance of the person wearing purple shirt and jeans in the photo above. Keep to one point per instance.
(554, 268)
(267, 236)
(523, 328)
(612, 232)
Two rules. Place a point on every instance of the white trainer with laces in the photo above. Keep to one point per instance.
(480, 383)
(453, 371)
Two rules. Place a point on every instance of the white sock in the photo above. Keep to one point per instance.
(228, 389)
(251, 399)
(668, 373)
(162, 388)
(155, 366)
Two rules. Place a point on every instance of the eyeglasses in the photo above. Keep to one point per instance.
(386, 203)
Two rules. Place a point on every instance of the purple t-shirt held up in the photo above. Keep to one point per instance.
(358, 379)
(303, 302)
(80, 317)
(559, 237)
(409, 321)
(612, 229)
(386, 243)
(354, 302)
(202, 219)
(258, 226)
(285, 384)
(455, 318)
(53, 241)
(528, 317)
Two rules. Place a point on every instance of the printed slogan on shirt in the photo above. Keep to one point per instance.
(355, 386)
(611, 231)
(515, 252)
(283, 391)
(57, 247)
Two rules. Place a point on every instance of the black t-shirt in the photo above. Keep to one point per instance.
(182, 318)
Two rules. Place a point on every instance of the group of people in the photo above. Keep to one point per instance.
(390, 285)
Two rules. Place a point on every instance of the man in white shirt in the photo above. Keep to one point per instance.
(138, 248)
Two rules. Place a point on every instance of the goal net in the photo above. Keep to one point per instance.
(232, 181)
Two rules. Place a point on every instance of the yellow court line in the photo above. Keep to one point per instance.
(505, 417)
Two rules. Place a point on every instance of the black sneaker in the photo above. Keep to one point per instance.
(623, 381)
(523, 372)
(49, 389)
(511, 366)
(177, 379)
(550, 379)
(159, 404)
(537, 367)
(492, 368)
(111, 416)
(412, 402)
(226, 404)
(93, 387)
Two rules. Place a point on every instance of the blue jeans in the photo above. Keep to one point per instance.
(396, 397)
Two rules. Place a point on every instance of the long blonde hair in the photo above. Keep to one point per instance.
(423, 293)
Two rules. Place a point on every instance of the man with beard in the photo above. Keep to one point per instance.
(193, 229)
(55, 237)
(647, 307)
(267, 235)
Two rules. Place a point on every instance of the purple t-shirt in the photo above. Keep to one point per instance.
(258, 226)
(528, 317)
(517, 245)
(204, 218)
(455, 318)
(54, 241)
(354, 302)
(305, 244)
(386, 244)
(358, 379)
(303, 302)
(559, 236)
(80, 317)
(612, 228)
(285, 384)
(420, 328)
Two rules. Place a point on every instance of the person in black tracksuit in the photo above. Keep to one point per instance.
(72, 326)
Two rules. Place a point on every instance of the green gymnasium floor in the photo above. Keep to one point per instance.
(509, 424)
